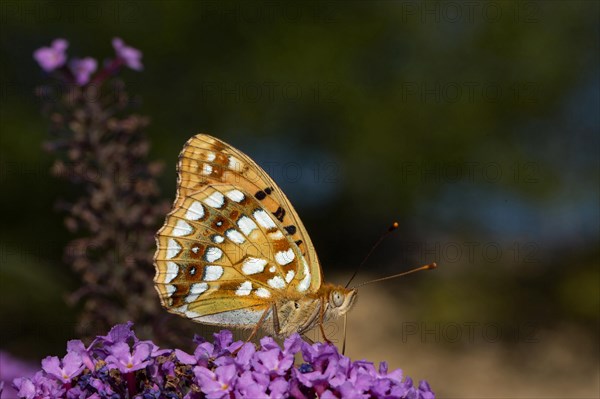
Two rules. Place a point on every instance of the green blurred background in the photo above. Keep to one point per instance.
(474, 124)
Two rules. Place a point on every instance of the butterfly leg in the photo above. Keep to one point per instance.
(276, 325)
(259, 324)
(321, 317)
(307, 339)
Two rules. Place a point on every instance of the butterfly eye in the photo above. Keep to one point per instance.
(337, 298)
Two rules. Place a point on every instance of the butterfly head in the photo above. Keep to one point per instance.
(339, 299)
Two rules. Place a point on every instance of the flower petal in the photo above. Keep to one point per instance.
(51, 365)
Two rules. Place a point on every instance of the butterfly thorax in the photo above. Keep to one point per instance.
(306, 312)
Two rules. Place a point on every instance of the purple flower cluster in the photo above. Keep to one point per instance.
(80, 70)
(11, 368)
(119, 365)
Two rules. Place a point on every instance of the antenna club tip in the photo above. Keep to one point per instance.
(432, 266)
(394, 226)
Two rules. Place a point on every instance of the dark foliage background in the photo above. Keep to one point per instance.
(475, 125)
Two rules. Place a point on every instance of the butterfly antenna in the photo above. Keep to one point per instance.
(430, 266)
(393, 227)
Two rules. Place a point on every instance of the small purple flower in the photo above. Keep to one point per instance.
(273, 362)
(425, 390)
(184, 357)
(101, 386)
(82, 69)
(155, 350)
(204, 352)
(329, 395)
(53, 57)
(324, 360)
(217, 384)
(71, 367)
(292, 344)
(248, 387)
(395, 375)
(224, 342)
(349, 390)
(128, 55)
(25, 387)
(77, 393)
(119, 333)
(39, 386)
(77, 346)
(244, 356)
(341, 373)
(278, 388)
(123, 359)
(11, 368)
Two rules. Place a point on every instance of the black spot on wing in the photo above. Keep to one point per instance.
(260, 195)
(279, 214)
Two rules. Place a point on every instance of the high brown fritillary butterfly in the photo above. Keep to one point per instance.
(233, 251)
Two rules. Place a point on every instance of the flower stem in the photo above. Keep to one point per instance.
(109, 70)
(131, 387)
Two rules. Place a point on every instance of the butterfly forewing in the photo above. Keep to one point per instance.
(206, 160)
(232, 244)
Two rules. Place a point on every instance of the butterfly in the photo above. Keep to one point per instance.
(234, 253)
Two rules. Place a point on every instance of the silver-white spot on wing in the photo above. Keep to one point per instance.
(276, 282)
(216, 200)
(235, 195)
(181, 309)
(235, 164)
(195, 290)
(289, 276)
(195, 211)
(188, 313)
(212, 273)
(207, 169)
(246, 225)
(276, 235)
(170, 289)
(285, 257)
(182, 228)
(235, 236)
(253, 265)
(217, 239)
(191, 315)
(172, 271)
(305, 282)
(173, 248)
(244, 289)
(264, 219)
(213, 254)
(262, 292)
